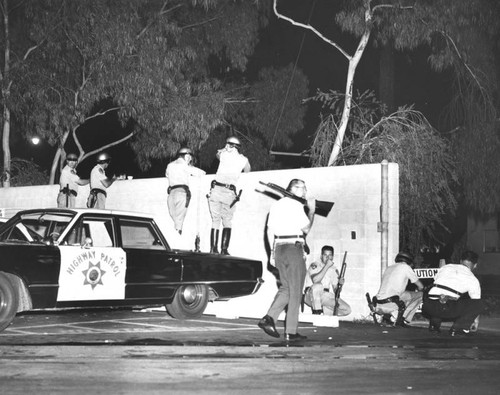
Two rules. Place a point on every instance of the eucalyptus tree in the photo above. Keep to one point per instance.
(18, 48)
(154, 62)
(461, 36)
(455, 30)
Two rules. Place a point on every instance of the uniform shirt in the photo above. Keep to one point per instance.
(178, 172)
(331, 277)
(69, 177)
(459, 278)
(287, 217)
(231, 164)
(395, 280)
(96, 175)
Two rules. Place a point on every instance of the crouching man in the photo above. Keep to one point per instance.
(393, 298)
(446, 299)
(324, 276)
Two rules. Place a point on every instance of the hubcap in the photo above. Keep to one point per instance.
(189, 294)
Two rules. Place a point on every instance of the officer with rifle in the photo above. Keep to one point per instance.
(287, 225)
(69, 182)
(327, 279)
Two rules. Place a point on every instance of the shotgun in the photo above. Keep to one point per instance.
(322, 207)
(339, 285)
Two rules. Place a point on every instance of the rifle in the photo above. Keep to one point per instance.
(322, 207)
(339, 285)
(67, 195)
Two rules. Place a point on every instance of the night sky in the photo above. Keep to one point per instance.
(282, 43)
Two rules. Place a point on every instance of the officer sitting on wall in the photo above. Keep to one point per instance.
(223, 196)
(446, 298)
(393, 298)
(69, 182)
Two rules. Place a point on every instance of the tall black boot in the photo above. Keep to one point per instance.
(226, 236)
(214, 241)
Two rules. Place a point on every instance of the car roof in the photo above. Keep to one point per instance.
(87, 211)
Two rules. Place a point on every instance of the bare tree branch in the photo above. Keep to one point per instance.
(309, 27)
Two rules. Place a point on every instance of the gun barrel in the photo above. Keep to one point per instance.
(323, 208)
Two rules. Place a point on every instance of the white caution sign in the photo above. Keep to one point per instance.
(426, 273)
(91, 274)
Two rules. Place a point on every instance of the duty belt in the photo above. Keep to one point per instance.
(390, 299)
(68, 191)
(290, 237)
(186, 189)
(93, 197)
(231, 187)
(447, 289)
(95, 191)
(443, 299)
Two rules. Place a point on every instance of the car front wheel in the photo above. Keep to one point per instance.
(189, 301)
(8, 302)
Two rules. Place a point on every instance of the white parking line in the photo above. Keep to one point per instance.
(87, 327)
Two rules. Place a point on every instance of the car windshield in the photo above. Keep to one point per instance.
(35, 226)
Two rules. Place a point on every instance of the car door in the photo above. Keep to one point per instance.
(93, 266)
(153, 270)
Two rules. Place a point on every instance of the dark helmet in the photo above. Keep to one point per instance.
(103, 157)
(184, 151)
(234, 140)
(404, 257)
(71, 156)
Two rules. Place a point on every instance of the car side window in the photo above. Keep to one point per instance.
(140, 234)
(99, 230)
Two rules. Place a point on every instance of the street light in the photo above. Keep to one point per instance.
(35, 140)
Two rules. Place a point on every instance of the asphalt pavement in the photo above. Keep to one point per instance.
(148, 352)
(126, 326)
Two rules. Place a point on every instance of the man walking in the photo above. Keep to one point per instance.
(287, 226)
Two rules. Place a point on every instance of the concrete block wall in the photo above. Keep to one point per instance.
(351, 225)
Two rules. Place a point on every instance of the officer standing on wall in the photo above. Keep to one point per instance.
(394, 282)
(287, 226)
(99, 182)
(445, 300)
(69, 182)
(223, 196)
(324, 276)
(179, 195)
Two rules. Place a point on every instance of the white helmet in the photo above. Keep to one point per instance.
(233, 140)
(103, 157)
(184, 151)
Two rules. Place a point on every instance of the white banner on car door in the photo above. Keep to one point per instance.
(91, 273)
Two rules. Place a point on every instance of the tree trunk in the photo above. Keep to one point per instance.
(6, 147)
(53, 168)
(5, 96)
(353, 64)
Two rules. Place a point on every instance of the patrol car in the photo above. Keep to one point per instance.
(76, 258)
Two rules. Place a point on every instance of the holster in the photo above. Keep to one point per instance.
(91, 201)
(68, 191)
(186, 189)
(236, 198)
